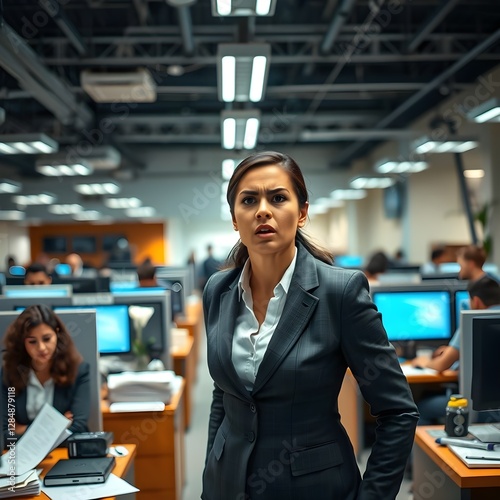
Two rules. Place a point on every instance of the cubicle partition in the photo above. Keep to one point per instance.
(81, 325)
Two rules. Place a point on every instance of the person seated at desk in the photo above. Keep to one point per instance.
(36, 274)
(43, 365)
(484, 294)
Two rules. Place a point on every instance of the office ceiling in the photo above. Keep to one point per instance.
(344, 73)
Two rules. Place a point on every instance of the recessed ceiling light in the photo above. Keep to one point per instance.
(8, 186)
(34, 199)
(122, 202)
(97, 188)
(27, 144)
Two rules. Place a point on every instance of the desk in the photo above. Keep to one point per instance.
(440, 475)
(193, 322)
(185, 366)
(351, 404)
(124, 468)
(159, 436)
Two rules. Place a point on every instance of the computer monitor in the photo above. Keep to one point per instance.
(96, 284)
(469, 369)
(462, 303)
(415, 314)
(177, 280)
(349, 261)
(113, 327)
(485, 390)
(158, 327)
(37, 291)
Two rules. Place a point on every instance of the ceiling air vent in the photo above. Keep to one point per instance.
(133, 86)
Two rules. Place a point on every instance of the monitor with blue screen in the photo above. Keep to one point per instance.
(415, 315)
(462, 303)
(113, 327)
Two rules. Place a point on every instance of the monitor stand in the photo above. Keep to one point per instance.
(409, 349)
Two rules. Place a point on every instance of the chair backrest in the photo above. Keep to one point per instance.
(81, 325)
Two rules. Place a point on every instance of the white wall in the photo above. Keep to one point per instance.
(14, 240)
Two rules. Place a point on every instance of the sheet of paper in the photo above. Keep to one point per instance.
(411, 370)
(37, 442)
(113, 486)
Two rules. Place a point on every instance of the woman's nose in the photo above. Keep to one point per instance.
(263, 210)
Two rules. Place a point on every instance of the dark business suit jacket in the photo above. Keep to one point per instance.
(74, 398)
(284, 439)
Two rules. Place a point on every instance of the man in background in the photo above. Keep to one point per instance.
(36, 274)
(471, 259)
(210, 266)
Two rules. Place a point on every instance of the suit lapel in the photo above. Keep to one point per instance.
(229, 308)
(299, 307)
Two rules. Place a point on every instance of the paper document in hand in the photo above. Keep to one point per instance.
(38, 440)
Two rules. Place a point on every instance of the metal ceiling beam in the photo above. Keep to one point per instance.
(434, 19)
(321, 119)
(339, 18)
(19, 59)
(67, 27)
(276, 59)
(185, 24)
(349, 153)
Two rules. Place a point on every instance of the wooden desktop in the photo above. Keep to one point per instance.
(159, 437)
(438, 474)
(124, 468)
(351, 404)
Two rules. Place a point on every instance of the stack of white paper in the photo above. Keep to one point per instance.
(141, 386)
(24, 485)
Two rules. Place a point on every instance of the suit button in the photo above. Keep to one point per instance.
(250, 436)
(252, 408)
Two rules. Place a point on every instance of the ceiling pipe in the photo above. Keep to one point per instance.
(349, 153)
(185, 23)
(435, 17)
(56, 12)
(46, 86)
(340, 16)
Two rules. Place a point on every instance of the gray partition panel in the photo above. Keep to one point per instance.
(81, 325)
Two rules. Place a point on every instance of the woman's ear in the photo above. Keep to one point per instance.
(303, 215)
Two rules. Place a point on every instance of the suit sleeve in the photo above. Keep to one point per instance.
(217, 407)
(80, 401)
(374, 364)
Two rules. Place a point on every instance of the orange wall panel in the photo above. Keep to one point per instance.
(146, 240)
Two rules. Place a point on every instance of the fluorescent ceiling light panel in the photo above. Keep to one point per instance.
(97, 188)
(348, 194)
(240, 129)
(243, 8)
(388, 166)
(16, 144)
(11, 215)
(426, 145)
(489, 111)
(122, 202)
(242, 70)
(474, 173)
(34, 199)
(370, 182)
(328, 202)
(56, 169)
(65, 209)
(87, 215)
(228, 166)
(8, 186)
(140, 212)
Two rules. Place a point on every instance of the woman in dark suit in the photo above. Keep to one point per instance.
(282, 327)
(43, 366)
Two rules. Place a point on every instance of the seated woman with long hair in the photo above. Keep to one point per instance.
(43, 365)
